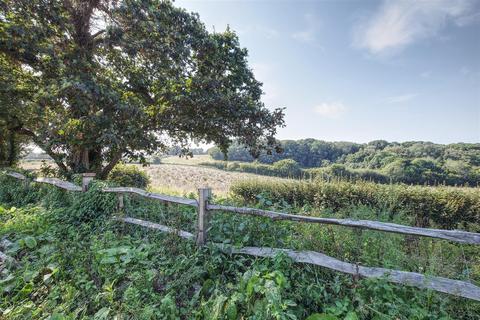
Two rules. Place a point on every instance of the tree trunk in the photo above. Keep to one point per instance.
(13, 152)
(106, 170)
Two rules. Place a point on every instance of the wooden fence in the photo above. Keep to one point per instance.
(205, 209)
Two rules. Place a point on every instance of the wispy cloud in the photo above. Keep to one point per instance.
(309, 33)
(397, 24)
(401, 98)
(332, 110)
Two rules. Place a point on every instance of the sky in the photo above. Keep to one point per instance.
(362, 70)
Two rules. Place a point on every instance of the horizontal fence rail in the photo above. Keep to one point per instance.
(156, 196)
(59, 183)
(445, 285)
(455, 287)
(156, 226)
(451, 235)
(53, 181)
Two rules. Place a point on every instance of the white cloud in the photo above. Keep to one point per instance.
(397, 24)
(332, 110)
(309, 34)
(401, 98)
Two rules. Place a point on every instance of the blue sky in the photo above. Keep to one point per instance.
(362, 70)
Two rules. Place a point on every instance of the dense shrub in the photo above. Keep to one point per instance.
(15, 192)
(446, 207)
(283, 168)
(287, 168)
(339, 171)
(129, 176)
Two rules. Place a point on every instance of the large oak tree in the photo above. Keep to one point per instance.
(92, 82)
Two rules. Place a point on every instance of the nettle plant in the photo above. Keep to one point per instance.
(93, 82)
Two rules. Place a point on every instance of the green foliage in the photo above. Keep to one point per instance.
(12, 146)
(15, 193)
(446, 207)
(90, 94)
(307, 152)
(129, 176)
(378, 161)
(76, 263)
(12, 89)
(287, 168)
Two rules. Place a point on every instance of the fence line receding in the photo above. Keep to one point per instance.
(454, 287)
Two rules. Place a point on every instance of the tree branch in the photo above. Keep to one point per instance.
(24, 131)
(106, 170)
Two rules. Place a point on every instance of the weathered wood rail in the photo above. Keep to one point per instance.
(156, 196)
(454, 287)
(451, 235)
(52, 181)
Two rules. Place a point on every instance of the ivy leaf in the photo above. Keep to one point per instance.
(351, 316)
(30, 242)
(321, 316)
(102, 314)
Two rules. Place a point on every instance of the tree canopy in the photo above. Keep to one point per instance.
(92, 82)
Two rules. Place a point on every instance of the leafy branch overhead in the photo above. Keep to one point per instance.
(92, 82)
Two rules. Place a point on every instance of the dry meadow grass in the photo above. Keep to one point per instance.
(188, 178)
(181, 176)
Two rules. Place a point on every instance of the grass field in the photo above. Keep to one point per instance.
(188, 178)
(179, 175)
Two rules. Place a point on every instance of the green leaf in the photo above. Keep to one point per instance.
(351, 316)
(57, 316)
(231, 311)
(102, 314)
(108, 260)
(251, 285)
(30, 242)
(321, 316)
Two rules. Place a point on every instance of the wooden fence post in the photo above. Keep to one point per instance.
(121, 205)
(202, 215)
(26, 183)
(86, 179)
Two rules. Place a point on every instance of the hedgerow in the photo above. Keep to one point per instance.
(446, 207)
(284, 168)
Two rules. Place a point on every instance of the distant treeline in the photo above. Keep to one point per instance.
(379, 161)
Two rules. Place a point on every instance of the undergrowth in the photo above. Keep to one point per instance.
(75, 262)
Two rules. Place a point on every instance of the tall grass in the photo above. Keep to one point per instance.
(445, 207)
